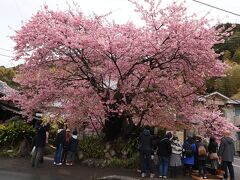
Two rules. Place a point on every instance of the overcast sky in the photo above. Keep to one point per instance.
(13, 13)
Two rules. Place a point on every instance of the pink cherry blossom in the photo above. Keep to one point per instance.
(93, 67)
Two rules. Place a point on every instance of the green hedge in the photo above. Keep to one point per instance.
(13, 133)
(131, 162)
(92, 147)
(130, 146)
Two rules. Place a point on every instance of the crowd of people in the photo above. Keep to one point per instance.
(192, 155)
(65, 144)
(66, 147)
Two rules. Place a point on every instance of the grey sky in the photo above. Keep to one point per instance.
(15, 12)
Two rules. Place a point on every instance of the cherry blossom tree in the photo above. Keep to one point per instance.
(119, 75)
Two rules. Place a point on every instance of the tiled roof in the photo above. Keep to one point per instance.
(229, 100)
(4, 88)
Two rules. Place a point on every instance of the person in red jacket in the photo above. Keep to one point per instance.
(65, 146)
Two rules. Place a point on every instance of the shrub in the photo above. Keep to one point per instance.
(129, 146)
(132, 146)
(12, 133)
(123, 163)
(92, 147)
(48, 150)
(8, 154)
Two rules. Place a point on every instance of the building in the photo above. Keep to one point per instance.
(230, 109)
(8, 109)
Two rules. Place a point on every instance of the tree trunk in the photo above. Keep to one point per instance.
(118, 126)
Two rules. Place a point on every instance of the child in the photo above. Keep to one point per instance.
(72, 148)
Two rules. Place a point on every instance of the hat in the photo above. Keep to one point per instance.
(38, 114)
(169, 135)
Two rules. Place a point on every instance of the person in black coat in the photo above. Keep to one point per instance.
(72, 148)
(38, 144)
(145, 149)
(164, 153)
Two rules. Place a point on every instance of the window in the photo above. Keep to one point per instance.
(238, 135)
(237, 111)
(223, 110)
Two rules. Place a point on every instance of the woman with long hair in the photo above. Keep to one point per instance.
(213, 156)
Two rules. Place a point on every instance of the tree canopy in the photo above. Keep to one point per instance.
(101, 72)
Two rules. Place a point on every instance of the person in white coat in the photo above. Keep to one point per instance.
(175, 159)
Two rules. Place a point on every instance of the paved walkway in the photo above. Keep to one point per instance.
(11, 169)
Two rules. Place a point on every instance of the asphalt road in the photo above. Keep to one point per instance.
(20, 169)
(12, 175)
(236, 165)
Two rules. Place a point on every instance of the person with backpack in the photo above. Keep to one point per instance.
(189, 148)
(164, 153)
(145, 148)
(201, 156)
(226, 154)
(213, 156)
(72, 148)
(175, 159)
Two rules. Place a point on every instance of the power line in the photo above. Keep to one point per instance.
(6, 55)
(5, 49)
(217, 8)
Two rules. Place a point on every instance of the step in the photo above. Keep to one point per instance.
(208, 177)
(221, 177)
